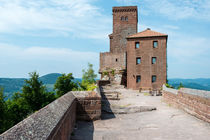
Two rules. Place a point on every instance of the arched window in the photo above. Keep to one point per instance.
(122, 18)
(126, 18)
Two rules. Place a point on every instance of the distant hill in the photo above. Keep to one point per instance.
(12, 85)
(50, 78)
(200, 83)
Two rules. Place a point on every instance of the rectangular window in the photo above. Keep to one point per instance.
(154, 78)
(138, 79)
(137, 45)
(138, 60)
(155, 44)
(154, 60)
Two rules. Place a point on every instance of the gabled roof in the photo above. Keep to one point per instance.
(147, 33)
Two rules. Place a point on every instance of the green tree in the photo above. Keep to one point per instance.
(17, 110)
(65, 84)
(180, 86)
(169, 86)
(35, 93)
(88, 79)
(2, 110)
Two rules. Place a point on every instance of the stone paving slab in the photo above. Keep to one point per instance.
(165, 123)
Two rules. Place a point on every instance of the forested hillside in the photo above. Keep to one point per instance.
(12, 85)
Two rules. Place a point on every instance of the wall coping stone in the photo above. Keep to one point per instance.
(87, 94)
(42, 123)
(200, 93)
(174, 91)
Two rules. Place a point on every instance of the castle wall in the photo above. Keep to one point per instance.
(194, 102)
(110, 61)
(146, 69)
(56, 121)
(124, 24)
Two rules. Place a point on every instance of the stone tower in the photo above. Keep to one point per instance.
(125, 21)
(136, 60)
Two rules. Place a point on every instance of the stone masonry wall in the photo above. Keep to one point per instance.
(88, 105)
(56, 121)
(146, 69)
(194, 102)
(122, 28)
(112, 61)
(125, 21)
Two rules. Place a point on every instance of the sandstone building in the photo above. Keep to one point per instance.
(136, 60)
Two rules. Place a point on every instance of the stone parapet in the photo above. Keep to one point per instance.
(56, 121)
(194, 102)
(88, 105)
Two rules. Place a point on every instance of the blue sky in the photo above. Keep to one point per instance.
(62, 36)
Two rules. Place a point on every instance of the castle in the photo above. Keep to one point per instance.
(136, 60)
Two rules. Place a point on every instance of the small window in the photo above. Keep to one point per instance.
(137, 45)
(122, 18)
(138, 60)
(116, 59)
(155, 44)
(126, 18)
(138, 79)
(154, 60)
(154, 78)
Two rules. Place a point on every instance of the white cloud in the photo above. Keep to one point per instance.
(19, 61)
(175, 10)
(189, 48)
(77, 17)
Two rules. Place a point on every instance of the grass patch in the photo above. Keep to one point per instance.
(146, 94)
(169, 105)
(125, 105)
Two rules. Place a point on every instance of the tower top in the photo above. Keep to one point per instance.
(124, 9)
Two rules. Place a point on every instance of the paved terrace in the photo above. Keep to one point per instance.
(127, 122)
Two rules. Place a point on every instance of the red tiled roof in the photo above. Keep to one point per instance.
(147, 33)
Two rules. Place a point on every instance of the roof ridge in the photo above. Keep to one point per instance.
(147, 33)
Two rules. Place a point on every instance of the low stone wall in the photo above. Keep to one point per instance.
(195, 102)
(56, 121)
(88, 105)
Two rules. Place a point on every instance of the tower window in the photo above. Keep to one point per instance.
(138, 60)
(155, 44)
(126, 18)
(116, 59)
(138, 79)
(154, 60)
(154, 78)
(137, 45)
(122, 18)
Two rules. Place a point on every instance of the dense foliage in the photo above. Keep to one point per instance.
(2, 111)
(34, 95)
(88, 79)
(13, 85)
(65, 84)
